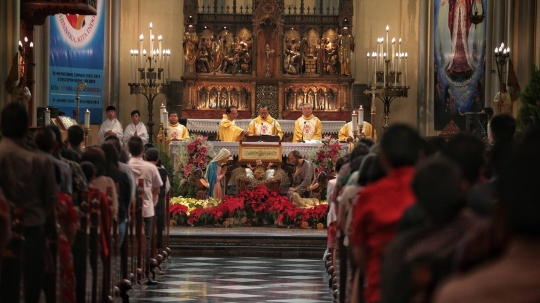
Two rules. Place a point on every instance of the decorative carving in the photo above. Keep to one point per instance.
(268, 95)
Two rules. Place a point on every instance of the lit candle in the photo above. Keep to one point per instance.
(141, 38)
(165, 119)
(169, 63)
(354, 121)
(384, 70)
(47, 115)
(87, 119)
(160, 50)
(361, 116)
(162, 110)
(496, 51)
(131, 63)
(25, 39)
(406, 55)
(375, 58)
(507, 65)
(144, 65)
(31, 44)
(367, 70)
(393, 54)
(151, 39)
(387, 28)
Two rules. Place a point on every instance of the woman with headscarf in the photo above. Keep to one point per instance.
(216, 175)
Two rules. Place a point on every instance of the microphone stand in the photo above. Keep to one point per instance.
(303, 132)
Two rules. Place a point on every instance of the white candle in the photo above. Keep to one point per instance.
(384, 69)
(165, 118)
(87, 119)
(375, 58)
(141, 38)
(144, 65)
(367, 70)
(361, 116)
(151, 39)
(354, 121)
(160, 50)
(399, 51)
(131, 63)
(507, 65)
(406, 55)
(47, 114)
(387, 28)
(393, 54)
(169, 63)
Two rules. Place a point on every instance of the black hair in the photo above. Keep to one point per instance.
(228, 109)
(503, 127)
(151, 154)
(14, 122)
(401, 144)
(468, 152)
(110, 107)
(136, 112)
(75, 135)
(96, 156)
(488, 111)
(135, 146)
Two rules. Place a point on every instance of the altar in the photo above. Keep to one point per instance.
(211, 126)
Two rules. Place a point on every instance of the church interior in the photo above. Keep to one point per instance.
(247, 111)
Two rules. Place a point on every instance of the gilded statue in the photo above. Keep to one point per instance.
(346, 46)
(190, 49)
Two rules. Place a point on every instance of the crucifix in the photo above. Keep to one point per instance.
(268, 51)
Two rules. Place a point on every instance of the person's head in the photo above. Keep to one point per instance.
(135, 116)
(307, 109)
(341, 161)
(173, 117)
(258, 162)
(135, 146)
(439, 189)
(434, 145)
(96, 156)
(367, 141)
(75, 135)
(468, 152)
(14, 124)
(295, 157)
(401, 145)
(263, 111)
(198, 173)
(503, 127)
(231, 112)
(149, 145)
(365, 166)
(88, 170)
(111, 112)
(111, 158)
(151, 155)
(44, 139)
(222, 157)
(518, 190)
(58, 145)
(488, 111)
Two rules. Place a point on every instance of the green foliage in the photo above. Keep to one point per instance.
(529, 112)
(168, 165)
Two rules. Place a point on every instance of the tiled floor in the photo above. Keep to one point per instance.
(201, 279)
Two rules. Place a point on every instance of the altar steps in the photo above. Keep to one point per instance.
(247, 242)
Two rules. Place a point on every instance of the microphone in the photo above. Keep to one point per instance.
(303, 132)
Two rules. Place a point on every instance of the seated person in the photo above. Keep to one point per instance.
(303, 175)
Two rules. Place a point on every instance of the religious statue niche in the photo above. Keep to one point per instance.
(331, 100)
(345, 46)
(190, 44)
(290, 100)
(234, 96)
(204, 55)
(203, 97)
(244, 99)
(329, 54)
(223, 98)
(237, 59)
(292, 57)
(213, 100)
(311, 99)
(321, 101)
(299, 99)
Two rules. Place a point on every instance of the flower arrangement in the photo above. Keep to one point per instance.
(326, 156)
(249, 208)
(195, 155)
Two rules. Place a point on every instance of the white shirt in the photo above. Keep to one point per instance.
(141, 132)
(150, 174)
(107, 125)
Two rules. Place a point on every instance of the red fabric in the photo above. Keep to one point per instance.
(105, 219)
(378, 209)
(67, 217)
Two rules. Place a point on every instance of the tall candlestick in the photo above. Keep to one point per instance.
(144, 65)
(160, 49)
(384, 69)
(141, 38)
(367, 70)
(393, 54)
(361, 116)
(47, 114)
(354, 122)
(406, 55)
(151, 39)
(87, 119)
(165, 119)
(399, 51)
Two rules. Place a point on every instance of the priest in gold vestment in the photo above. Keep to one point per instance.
(264, 124)
(228, 131)
(307, 127)
(176, 131)
(346, 132)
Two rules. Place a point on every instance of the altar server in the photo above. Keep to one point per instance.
(228, 131)
(307, 127)
(176, 131)
(264, 124)
(111, 126)
(136, 128)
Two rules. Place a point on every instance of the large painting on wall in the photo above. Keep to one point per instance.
(460, 54)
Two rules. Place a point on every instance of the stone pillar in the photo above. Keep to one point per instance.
(253, 96)
(9, 33)
(281, 100)
(115, 13)
(423, 57)
(491, 78)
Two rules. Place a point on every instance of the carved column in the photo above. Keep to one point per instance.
(253, 95)
(281, 100)
(254, 56)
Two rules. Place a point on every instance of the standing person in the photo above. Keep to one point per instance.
(228, 131)
(307, 127)
(135, 128)
(346, 132)
(176, 132)
(28, 181)
(75, 139)
(264, 124)
(152, 182)
(380, 205)
(216, 175)
(111, 126)
(303, 174)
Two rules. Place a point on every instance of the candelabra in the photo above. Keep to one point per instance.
(388, 69)
(502, 55)
(358, 124)
(147, 81)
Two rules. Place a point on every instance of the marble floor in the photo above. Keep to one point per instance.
(238, 279)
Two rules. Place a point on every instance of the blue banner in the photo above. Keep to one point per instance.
(77, 54)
